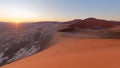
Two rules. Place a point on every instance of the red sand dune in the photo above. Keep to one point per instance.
(94, 23)
(75, 53)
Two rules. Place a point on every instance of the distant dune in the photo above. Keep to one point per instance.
(95, 23)
(90, 23)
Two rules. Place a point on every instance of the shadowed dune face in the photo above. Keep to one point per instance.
(113, 33)
(23, 42)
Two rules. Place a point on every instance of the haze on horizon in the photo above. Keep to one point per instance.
(57, 10)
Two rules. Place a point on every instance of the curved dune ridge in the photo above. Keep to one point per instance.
(75, 53)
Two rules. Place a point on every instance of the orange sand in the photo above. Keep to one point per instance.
(75, 53)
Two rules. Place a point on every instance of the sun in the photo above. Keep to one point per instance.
(17, 22)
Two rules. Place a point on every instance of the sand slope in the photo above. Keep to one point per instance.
(75, 53)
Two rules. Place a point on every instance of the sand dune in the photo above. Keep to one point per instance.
(75, 53)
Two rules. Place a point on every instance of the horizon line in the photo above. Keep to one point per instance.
(1, 21)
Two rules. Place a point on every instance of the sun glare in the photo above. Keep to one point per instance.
(19, 14)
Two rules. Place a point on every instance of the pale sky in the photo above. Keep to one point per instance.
(58, 10)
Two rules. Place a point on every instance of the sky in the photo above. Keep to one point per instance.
(58, 10)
